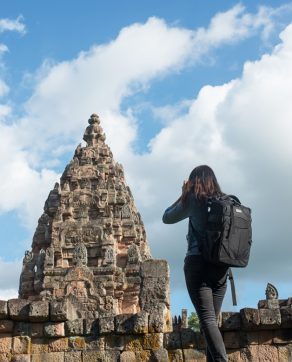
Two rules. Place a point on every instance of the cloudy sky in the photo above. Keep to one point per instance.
(176, 84)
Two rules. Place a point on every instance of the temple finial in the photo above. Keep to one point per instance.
(94, 131)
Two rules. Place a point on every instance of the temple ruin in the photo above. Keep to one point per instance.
(90, 241)
(90, 291)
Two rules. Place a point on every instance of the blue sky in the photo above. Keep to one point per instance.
(176, 84)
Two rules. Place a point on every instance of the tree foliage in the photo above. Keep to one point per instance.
(193, 322)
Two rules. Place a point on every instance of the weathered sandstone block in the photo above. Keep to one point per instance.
(247, 338)
(48, 357)
(270, 318)
(22, 329)
(76, 343)
(106, 325)
(175, 355)
(128, 356)
(21, 345)
(37, 330)
(115, 341)
(72, 356)
(172, 340)
(283, 336)
(250, 318)
(231, 340)
(100, 356)
(286, 317)
(191, 355)
(60, 311)
(159, 355)
(94, 343)
(5, 343)
(6, 326)
(152, 341)
(160, 319)
(231, 321)
(52, 329)
(38, 311)
(234, 356)
(154, 268)
(58, 345)
(90, 327)
(21, 358)
(285, 353)
(74, 328)
(39, 345)
(136, 323)
(18, 309)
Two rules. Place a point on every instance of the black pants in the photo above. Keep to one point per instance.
(206, 285)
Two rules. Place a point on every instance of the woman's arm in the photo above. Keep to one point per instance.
(175, 213)
(178, 210)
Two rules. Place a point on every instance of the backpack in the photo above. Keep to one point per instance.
(228, 234)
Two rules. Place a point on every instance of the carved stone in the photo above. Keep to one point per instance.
(271, 292)
(89, 250)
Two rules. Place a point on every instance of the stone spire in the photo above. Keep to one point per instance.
(90, 241)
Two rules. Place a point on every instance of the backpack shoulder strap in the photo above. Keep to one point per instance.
(233, 293)
(233, 197)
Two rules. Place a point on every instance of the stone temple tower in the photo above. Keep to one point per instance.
(90, 246)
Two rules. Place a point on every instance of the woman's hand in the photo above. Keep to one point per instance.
(185, 186)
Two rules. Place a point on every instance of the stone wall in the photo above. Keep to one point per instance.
(40, 331)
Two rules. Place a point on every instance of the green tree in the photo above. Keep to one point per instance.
(193, 321)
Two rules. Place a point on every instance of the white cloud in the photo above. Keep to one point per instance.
(6, 294)
(3, 49)
(13, 25)
(106, 74)
(4, 111)
(10, 272)
(169, 112)
(4, 89)
(234, 25)
(21, 188)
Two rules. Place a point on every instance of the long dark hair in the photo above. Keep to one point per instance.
(202, 183)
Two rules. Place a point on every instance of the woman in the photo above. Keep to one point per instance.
(206, 283)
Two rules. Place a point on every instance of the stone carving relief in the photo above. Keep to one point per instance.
(109, 256)
(80, 255)
(126, 212)
(108, 238)
(49, 258)
(134, 256)
(39, 267)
